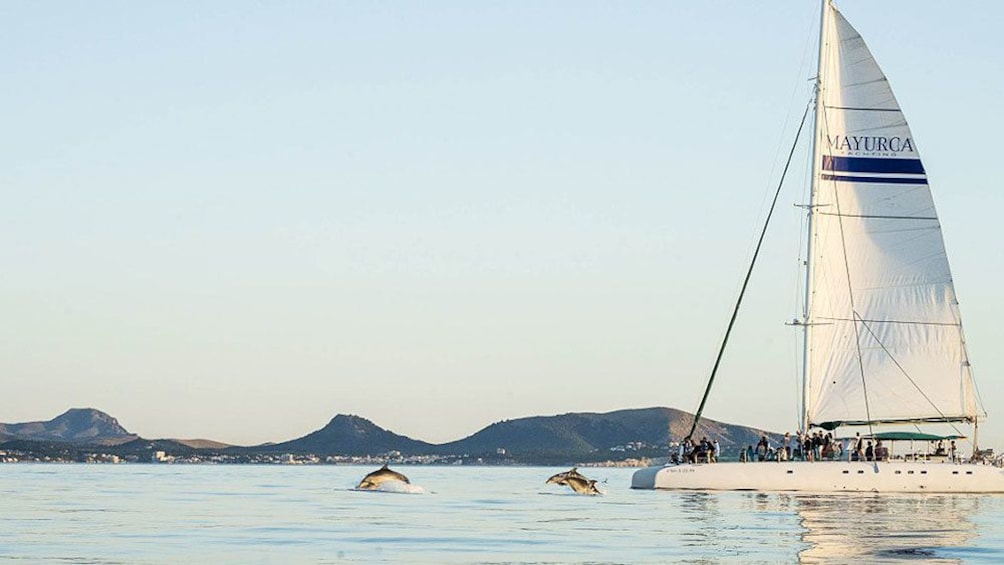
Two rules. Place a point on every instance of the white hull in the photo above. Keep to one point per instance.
(829, 476)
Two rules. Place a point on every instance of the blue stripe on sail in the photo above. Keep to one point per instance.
(872, 165)
(880, 180)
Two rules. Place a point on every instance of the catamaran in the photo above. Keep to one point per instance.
(883, 339)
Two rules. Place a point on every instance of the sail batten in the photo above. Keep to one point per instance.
(886, 342)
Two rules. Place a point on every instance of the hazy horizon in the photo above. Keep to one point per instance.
(234, 221)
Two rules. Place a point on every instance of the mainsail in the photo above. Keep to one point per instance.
(884, 334)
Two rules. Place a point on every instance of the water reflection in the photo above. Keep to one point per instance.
(702, 534)
(884, 529)
(703, 519)
(719, 527)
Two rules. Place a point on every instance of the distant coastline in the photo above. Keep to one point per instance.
(631, 437)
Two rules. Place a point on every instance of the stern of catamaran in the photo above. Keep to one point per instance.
(646, 478)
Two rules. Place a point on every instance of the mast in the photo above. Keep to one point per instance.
(807, 307)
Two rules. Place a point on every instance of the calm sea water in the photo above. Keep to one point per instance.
(288, 514)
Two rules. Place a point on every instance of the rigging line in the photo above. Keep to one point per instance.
(794, 93)
(861, 365)
(972, 378)
(905, 374)
(787, 117)
(850, 296)
(749, 273)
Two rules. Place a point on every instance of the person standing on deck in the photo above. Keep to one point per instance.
(705, 449)
(762, 449)
(881, 451)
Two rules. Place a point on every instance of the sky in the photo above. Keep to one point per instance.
(234, 220)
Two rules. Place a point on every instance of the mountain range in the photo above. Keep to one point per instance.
(539, 439)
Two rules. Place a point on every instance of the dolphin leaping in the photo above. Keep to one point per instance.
(574, 480)
(582, 485)
(562, 478)
(383, 474)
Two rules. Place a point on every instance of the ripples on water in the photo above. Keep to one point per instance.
(265, 514)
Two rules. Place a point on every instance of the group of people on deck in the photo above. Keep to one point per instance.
(817, 446)
(702, 452)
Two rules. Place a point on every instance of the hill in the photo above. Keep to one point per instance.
(643, 430)
(202, 443)
(350, 435)
(77, 425)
